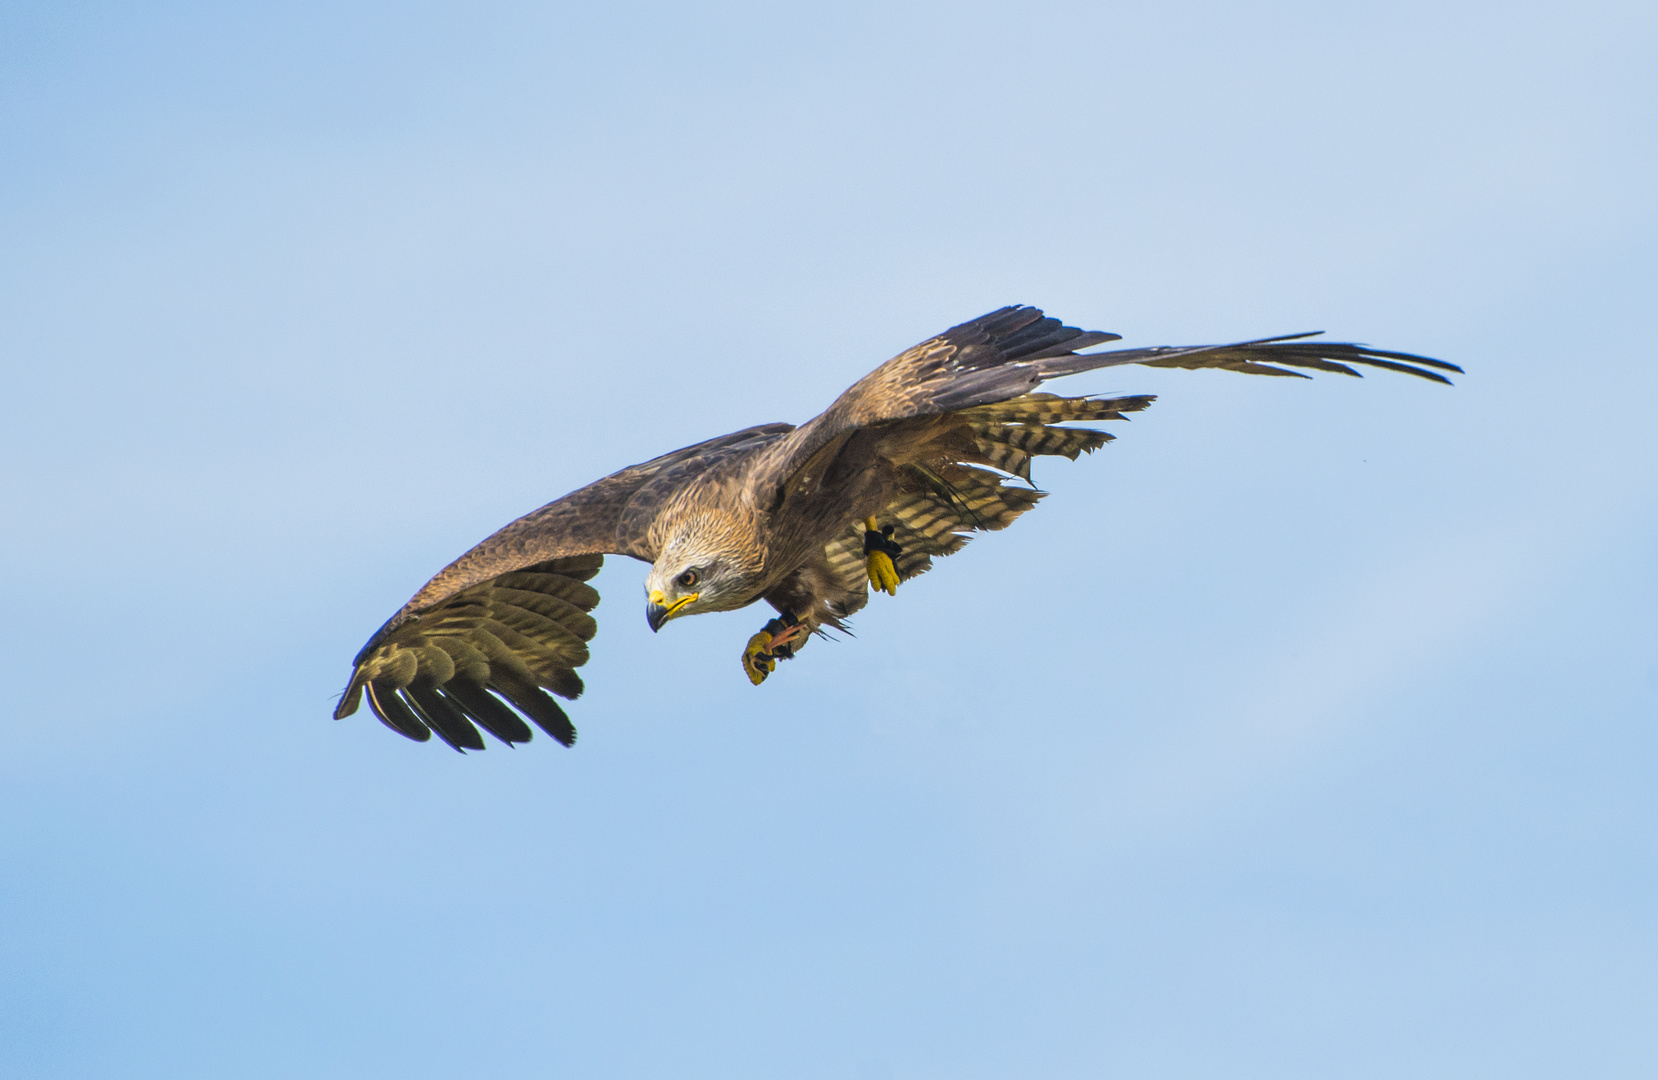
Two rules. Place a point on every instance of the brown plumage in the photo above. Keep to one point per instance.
(902, 467)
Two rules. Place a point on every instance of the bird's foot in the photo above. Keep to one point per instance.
(774, 642)
(880, 555)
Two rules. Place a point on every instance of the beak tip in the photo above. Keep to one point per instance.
(657, 612)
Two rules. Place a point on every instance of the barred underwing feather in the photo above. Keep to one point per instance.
(1008, 434)
(934, 520)
(1044, 408)
(1037, 440)
(845, 553)
(1006, 458)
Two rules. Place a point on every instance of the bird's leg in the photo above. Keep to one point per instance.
(774, 642)
(880, 555)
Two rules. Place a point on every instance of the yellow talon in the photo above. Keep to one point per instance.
(757, 659)
(882, 573)
(879, 552)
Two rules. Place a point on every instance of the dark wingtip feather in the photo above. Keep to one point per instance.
(1412, 358)
(534, 703)
(487, 711)
(565, 683)
(1420, 373)
(1251, 368)
(394, 714)
(450, 724)
(1306, 353)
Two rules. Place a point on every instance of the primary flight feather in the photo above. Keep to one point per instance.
(917, 455)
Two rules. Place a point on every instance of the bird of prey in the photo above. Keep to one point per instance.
(929, 448)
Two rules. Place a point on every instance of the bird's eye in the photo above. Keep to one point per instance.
(688, 579)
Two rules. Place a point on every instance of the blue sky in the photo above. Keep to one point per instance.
(1307, 730)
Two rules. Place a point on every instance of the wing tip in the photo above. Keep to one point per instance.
(395, 714)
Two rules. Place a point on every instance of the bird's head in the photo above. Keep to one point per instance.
(708, 563)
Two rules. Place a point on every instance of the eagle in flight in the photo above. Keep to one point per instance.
(930, 447)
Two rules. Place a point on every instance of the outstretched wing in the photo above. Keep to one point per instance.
(505, 626)
(1013, 350)
(937, 415)
(511, 639)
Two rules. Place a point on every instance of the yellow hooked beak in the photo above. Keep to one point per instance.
(659, 611)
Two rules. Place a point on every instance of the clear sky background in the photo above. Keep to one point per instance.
(1306, 731)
